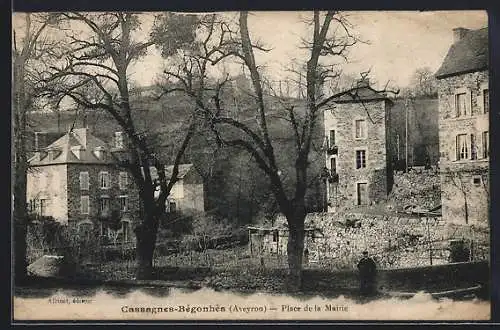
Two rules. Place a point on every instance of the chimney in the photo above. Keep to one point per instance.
(459, 33)
(81, 134)
(40, 141)
(363, 82)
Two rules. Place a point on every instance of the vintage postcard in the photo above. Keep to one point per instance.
(300, 165)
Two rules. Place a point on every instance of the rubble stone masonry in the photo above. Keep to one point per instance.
(464, 182)
(377, 173)
(394, 241)
(95, 192)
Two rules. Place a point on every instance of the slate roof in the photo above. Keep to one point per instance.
(62, 150)
(467, 55)
(361, 94)
(183, 170)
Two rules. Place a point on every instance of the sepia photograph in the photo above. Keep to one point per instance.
(252, 165)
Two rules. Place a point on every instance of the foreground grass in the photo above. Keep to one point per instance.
(234, 270)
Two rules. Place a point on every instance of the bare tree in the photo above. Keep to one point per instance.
(253, 134)
(422, 84)
(30, 46)
(101, 57)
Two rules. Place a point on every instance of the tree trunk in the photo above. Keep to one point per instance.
(295, 248)
(20, 173)
(20, 224)
(146, 240)
(466, 209)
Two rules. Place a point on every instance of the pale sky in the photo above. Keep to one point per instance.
(399, 42)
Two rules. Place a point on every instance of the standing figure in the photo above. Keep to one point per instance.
(367, 272)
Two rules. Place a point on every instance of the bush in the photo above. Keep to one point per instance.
(459, 251)
(176, 224)
(45, 236)
(206, 233)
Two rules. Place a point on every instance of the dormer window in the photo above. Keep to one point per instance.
(100, 153)
(53, 153)
(77, 151)
(43, 154)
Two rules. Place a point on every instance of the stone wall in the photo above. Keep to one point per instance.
(393, 241)
(419, 187)
(95, 192)
(463, 200)
(341, 118)
(457, 176)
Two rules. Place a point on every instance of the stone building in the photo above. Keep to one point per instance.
(464, 128)
(187, 194)
(358, 161)
(75, 181)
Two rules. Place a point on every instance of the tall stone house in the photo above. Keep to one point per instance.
(75, 181)
(464, 128)
(357, 156)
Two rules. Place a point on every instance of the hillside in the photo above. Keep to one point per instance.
(235, 187)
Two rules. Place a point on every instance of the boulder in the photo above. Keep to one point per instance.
(52, 266)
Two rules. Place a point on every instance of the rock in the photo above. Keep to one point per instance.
(52, 266)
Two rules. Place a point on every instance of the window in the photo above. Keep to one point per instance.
(123, 180)
(123, 203)
(486, 100)
(104, 206)
(32, 206)
(360, 159)
(275, 236)
(333, 164)
(462, 147)
(119, 140)
(362, 193)
(104, 180)
(360, 129)
(332, 138)
(84, 181)
(476, 180)
(485, 145)
(125, 230)
(43, 207)
(84, 205)
(172, 207)
(473, 147)
(461, 104)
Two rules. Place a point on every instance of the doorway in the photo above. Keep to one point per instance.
(362, 193)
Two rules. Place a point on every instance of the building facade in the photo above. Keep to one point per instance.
(187, 194)
(464, 128)
(75, 181)
(358, 160)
